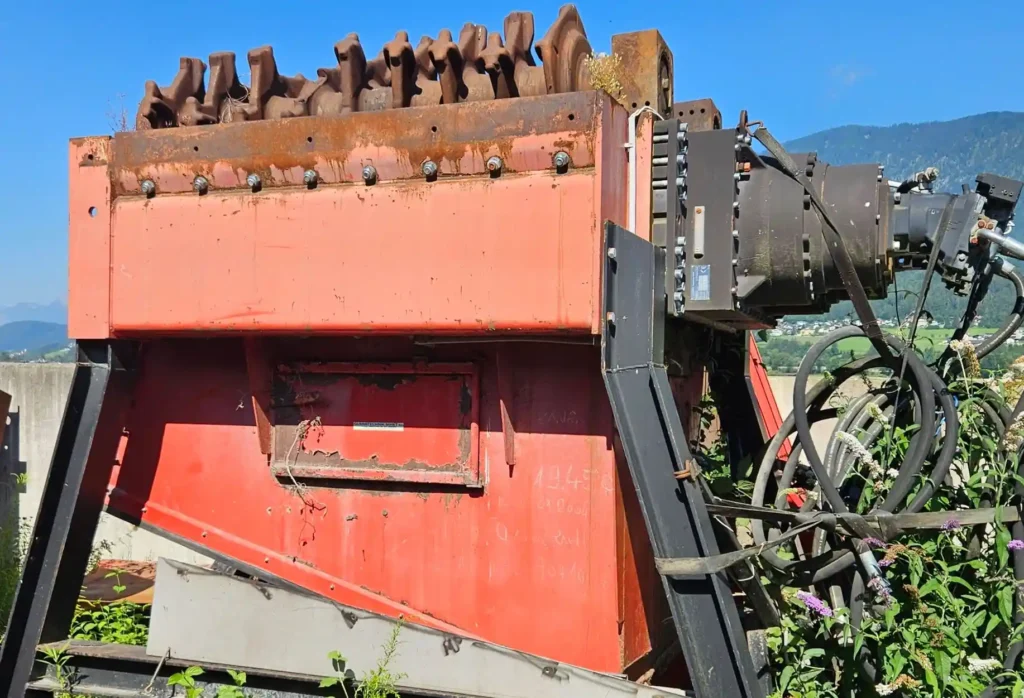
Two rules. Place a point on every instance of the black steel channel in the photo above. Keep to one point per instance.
(70, 508)
(703, 609)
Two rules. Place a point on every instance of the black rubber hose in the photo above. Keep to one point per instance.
(1013, 320)
(920, 385)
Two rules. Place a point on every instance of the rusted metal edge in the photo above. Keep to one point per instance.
(525, 132)
(5, 406)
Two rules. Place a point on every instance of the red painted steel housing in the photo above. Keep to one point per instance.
(390, 394)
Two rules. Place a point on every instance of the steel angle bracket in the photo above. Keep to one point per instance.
(69, 509)
(678, 523)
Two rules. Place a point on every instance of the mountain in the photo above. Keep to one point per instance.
(51, 312)
(32, 335)
(961, 149)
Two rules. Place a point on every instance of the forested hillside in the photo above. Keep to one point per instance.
(961, 149)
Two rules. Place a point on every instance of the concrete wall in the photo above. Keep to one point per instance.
(39, 393)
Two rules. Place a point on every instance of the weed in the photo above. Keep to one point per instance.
(58, 659)
(381, 682)
(941, 617)
(604, 71)
(123, 623)
(187, 680)
(233, 691)
(118, 586)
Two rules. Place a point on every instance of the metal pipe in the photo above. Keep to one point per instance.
(631, 152)
(1009, 246)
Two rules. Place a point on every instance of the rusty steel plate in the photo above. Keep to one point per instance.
(525, 133)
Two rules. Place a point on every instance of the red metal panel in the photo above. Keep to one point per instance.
(395, 422)
(89, 198)
(534, 561)
(455, 256)
(764, 396)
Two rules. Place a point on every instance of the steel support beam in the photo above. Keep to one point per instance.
(664, 475)
(70, 508)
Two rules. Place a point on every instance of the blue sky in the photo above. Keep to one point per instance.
(799, 66)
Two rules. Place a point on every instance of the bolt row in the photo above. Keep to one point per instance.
(429, 170)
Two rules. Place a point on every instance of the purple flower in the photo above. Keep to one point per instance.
(881, 589)
(885, 562)
(1015, 544)
(951, 525)
(874, 542)
(814, 603)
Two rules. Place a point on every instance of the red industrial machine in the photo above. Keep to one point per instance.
(409, 337)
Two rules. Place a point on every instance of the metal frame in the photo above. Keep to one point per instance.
(664, 474)
(69, 511)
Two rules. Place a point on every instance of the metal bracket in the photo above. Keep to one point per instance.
(678, 523)
(70, 508)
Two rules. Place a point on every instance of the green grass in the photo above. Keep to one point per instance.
(926, 337)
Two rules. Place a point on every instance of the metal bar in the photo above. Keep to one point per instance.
(70, 508)
(703, 609)
(206, 618)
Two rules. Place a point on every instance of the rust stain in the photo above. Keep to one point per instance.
(459, 137)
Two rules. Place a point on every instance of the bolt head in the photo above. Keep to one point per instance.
(429, 168)
(612, 253)
(369, 174)
(561, 159)
(494, 164)
(310, 177)
(148, 187)
(200, 184)
(253, 181)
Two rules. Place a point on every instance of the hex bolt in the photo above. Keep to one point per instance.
(369, 174)
(148, 187)
(494, 164)
(610, 317)
(310, 177)
(737, 176)
(611, 253)
(747, 139)
(254, 181)
(200, 184)
(739, 137)
(429, 169)
(736, 205)
(562, 160)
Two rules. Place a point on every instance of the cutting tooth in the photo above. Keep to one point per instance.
(160, 106)
(500, 66)
(271, 95)
(479, 66)
(472, 42)
(519, 31)
(449, 66)
(564, 50)
(401, 61)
